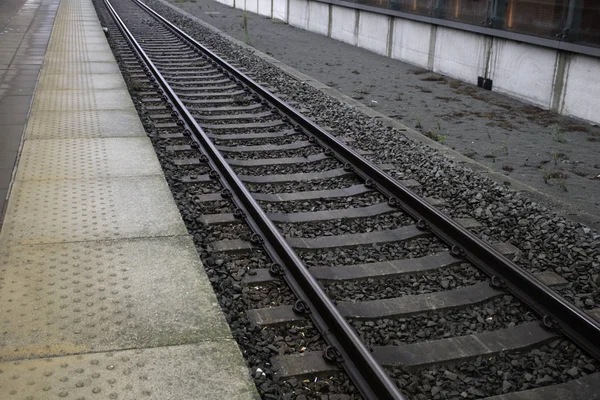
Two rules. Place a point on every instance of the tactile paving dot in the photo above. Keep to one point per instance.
(208, 371)
(64, 81)
(86, 158)
(79, 82)
(81, 100)
(90, 209)
(60, 211)
(74, 124)
(63, 158)
(92, 296)
(71, 56)
(63, 100)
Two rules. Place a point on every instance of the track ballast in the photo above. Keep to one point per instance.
(393, 279)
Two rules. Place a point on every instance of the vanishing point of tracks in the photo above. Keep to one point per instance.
(364, 256)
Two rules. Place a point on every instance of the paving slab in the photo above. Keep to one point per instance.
(81, 100)
(94, 209)
(84, 124)
(87, 297)
(87, 158)
(89, 56)
(165, 373)
(81, 81)
(58, 67)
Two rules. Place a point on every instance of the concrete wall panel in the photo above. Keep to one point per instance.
(373, 32)
(264, 8)
(459, 54)
(582, 92)
(318, 17)
(411, 41)
(280, 9)
(252, 6)
(523, 70)
(298, 13)
(343, 24)
(520, 70)
(226, 2)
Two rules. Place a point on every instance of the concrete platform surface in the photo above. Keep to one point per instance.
(99, 209)
(102, 293)
(25, 27)
(165, 373)
(96, 296)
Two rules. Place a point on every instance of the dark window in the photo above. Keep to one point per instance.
(422, 7)
(535, 17)
(469, 11)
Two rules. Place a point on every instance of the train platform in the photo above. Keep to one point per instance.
(102, 293)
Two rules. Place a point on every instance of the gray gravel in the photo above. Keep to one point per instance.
(500, 313)
(377, 289)
(557, 362)
(334, 203)
(345, 226)
(290, 187)
(375, 253)
(506, 215)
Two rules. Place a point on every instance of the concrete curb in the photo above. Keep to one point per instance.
(556, 205)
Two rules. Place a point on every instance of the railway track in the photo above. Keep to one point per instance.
(381, 283)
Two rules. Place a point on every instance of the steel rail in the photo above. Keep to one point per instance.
(554, 309)
(345, 345)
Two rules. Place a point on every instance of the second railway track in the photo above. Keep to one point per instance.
(401, 288)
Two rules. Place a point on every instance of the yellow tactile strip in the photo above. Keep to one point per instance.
(95, 260)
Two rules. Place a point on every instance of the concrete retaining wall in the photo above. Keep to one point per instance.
(564, 82)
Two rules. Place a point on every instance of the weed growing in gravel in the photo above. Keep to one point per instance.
(558, 177)
(504, 147)
(418, 124)
(558, 135)
(245, 24)
(440, 79)
(435, 134)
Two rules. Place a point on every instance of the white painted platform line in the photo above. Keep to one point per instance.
(98, 258)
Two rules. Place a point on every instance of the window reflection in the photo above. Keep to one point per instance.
(535, 17)
(422, 7)
(575, 21)
(469, 11)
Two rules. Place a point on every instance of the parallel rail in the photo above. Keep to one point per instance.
(357, 360)
(365, 372)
